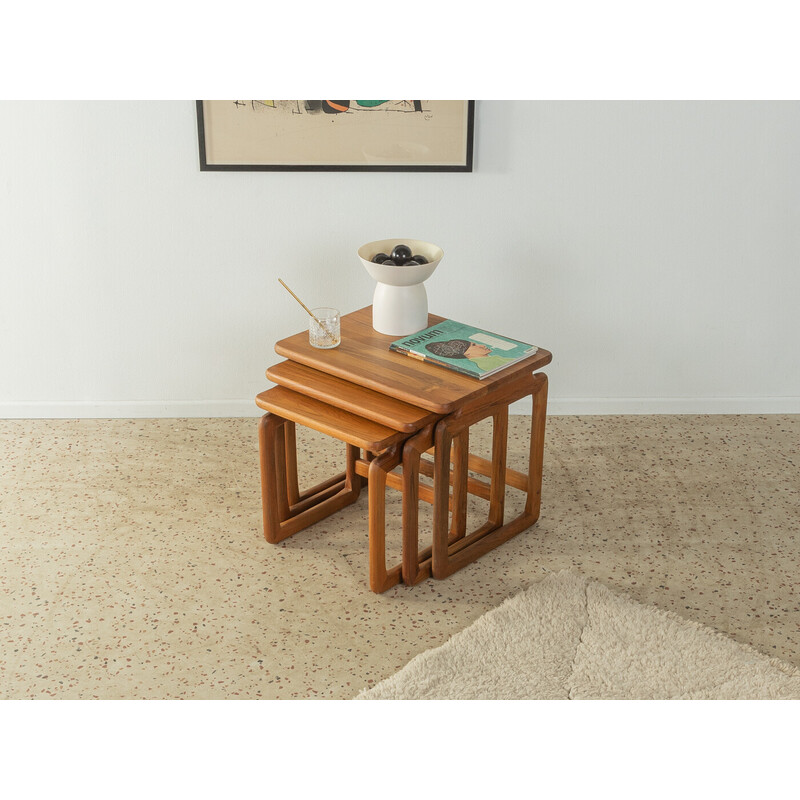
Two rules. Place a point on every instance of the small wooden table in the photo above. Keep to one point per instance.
(401, 390)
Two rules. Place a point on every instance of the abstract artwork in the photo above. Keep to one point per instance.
(361, 135)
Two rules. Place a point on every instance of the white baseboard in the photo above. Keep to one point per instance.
(139, 409)
(557, 406)
(133, 409)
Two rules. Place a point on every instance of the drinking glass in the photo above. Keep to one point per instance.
(327, 334)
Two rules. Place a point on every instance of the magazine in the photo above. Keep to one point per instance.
(463, 348)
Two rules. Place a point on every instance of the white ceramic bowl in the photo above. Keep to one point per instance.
(400, 302)
(397, 275)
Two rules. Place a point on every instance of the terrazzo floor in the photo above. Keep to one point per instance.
(132, 563)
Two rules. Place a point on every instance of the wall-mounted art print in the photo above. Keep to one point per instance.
(379, 135)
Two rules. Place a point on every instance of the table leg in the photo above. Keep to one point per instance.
(290, 445)
(416, 565)
(379, 578)
(536, 460)
(458, 522)
(497, 497)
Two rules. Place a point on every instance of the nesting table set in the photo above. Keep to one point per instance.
(390, 410)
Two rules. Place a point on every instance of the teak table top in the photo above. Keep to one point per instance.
(364, 358)
(348, 396)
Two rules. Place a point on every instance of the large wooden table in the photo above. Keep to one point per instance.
(364, 358)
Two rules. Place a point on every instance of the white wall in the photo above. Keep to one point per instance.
(654, 247)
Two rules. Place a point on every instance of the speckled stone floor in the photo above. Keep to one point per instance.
(132, 563)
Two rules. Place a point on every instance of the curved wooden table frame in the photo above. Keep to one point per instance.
(453, 548)
(287, 511)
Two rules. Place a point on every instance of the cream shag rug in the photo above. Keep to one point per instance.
(570, 637)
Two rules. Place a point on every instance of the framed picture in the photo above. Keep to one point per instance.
(362, 135)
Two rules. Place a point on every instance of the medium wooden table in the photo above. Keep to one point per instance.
(401, 390)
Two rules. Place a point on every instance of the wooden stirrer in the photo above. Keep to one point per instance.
(301, 303)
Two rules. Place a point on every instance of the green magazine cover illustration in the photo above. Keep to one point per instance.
(464, 348)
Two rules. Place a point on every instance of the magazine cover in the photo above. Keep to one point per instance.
(463, 348)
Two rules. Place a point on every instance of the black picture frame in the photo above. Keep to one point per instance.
(207, 165)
